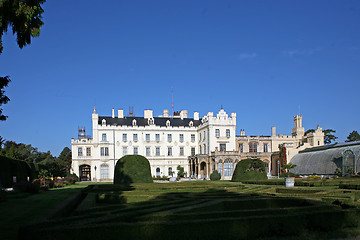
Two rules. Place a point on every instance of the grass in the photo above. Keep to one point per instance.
(23, 207)
(190, 210)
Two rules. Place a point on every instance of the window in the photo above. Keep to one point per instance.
(181, 151)
(104, 151)
(169, 151)
(252, 147)
(204, 149)
(88, 151)
(124, 151)
(223, 147)
(217, 132)
(170, 172)
(265, 147)
(192, 151)
(181, 137)
(103, 137)
(228, 168)
(147, 136)
(168, 123)
(193, 137)
(199, 136)
(158, 172)
(134, 122)
(157, 151)
(104, 171)
(204, 135)
(157, 137)
(124, 137)
(241, 147)
(80, 153)
(136, 150)
(135, 137)
(220, 168)
(169, 137)
(228, 133)
(147, 151)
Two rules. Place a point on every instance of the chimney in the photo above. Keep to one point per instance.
(166, 113)
(196, 115)
(120, 113)
(273, 131)
(148, 114)
(183, 114)
(113, 113)
(242, 132)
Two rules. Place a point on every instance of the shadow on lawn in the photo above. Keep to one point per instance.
(213, 214)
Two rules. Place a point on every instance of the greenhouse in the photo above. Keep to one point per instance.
(326, 160)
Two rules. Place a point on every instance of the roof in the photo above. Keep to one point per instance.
(141, 121)
(325, 147)
(324, 161)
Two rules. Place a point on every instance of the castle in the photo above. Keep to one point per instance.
(199, 145)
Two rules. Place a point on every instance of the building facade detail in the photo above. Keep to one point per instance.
(199, 145)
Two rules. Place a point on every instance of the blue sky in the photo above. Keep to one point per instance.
(260, 59)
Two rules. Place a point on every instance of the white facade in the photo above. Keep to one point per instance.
(166, 141)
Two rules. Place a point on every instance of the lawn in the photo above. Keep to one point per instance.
(20, 208)
(188, 210)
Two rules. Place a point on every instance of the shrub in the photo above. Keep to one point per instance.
(181, 173)
(215, 176)
(132, 169)
(74, 176)
(249, 169)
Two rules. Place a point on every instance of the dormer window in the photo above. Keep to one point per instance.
(103, 122)
(191, 124)
(168, 123)
(151, 121)
(134, 122)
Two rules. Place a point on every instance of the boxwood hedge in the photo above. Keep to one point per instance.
(249, 169)
(132, 169)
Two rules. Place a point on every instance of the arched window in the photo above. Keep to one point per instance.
(104, 171)
(151, 121)
(191, 124)
(170, 173)
(228, 168)
(134, 122)
(158, 172)
(168, 123)
(103, 122)
(220, 167)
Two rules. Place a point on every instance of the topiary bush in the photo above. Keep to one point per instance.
(132, 169)
(249, 169)
(215, 176)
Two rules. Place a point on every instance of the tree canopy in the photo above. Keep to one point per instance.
(56, 166)
(4, 81)
(24, 17)
(353, 136)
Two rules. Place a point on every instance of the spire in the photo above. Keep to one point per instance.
(94, 109)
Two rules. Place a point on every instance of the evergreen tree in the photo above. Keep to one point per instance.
(353, 136)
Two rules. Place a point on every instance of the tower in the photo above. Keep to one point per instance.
(298, 130)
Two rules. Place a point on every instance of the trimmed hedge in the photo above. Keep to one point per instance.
(350, 186)
(132, 169)
(249, 169)
(10, 168)
(215, 176)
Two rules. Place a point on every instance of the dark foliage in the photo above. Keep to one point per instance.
(132, 169)
(249, 169)
(4, 81)
(353, 136)
(215, 176)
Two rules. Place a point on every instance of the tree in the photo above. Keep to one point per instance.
(181, 172)
(4, 81)
(288, 167)
(353, 136)
(328, 136)
(24, 16)
(64, 160)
